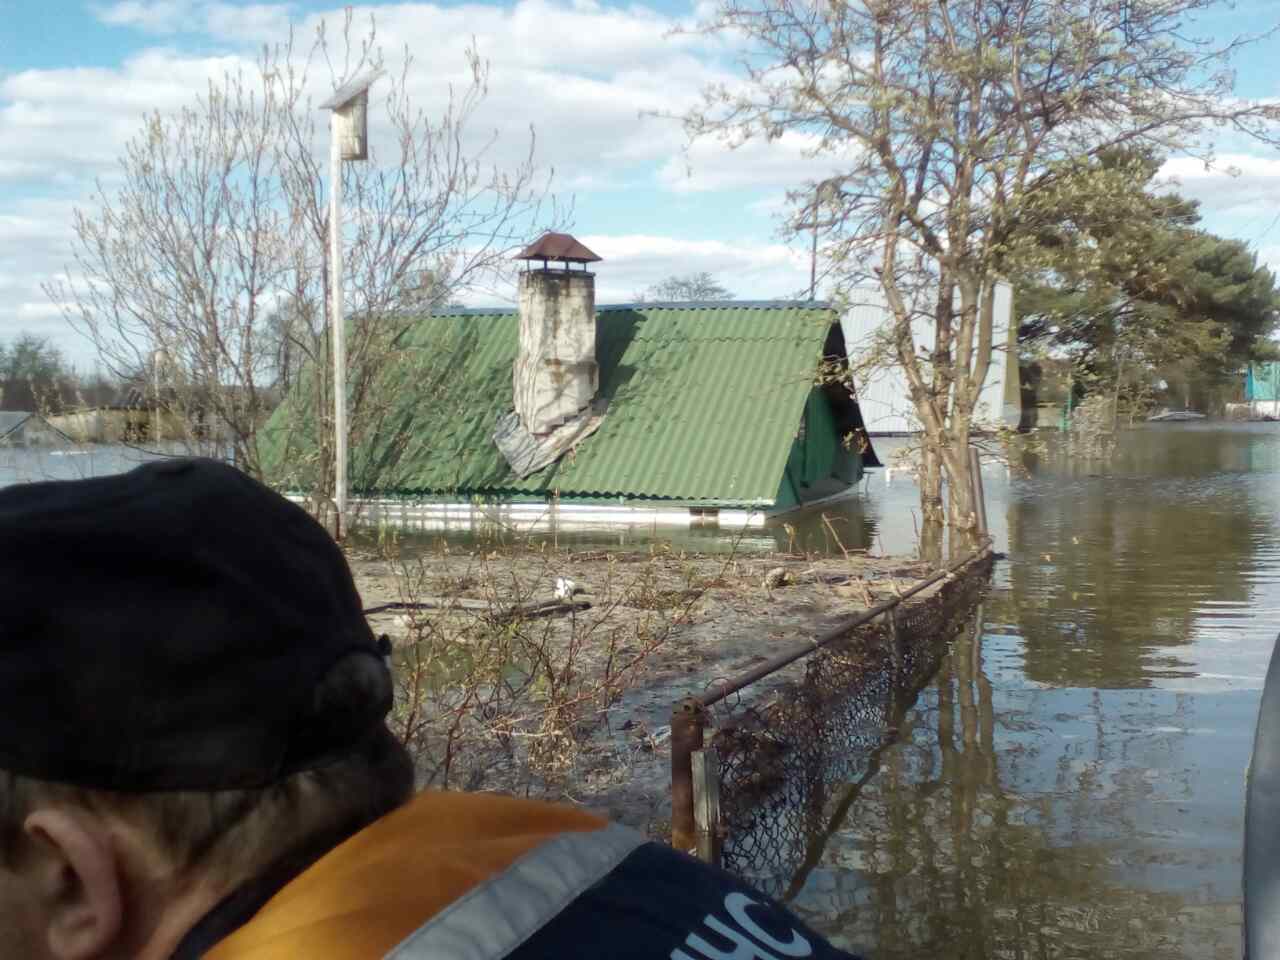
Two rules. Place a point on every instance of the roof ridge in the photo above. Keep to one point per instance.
(817, 306)
(717, 305)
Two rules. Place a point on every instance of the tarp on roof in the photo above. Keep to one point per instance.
(704, 401)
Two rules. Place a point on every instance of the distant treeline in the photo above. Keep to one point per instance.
(34, 375)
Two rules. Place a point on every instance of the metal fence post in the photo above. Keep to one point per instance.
(895, 640)
(688, 718)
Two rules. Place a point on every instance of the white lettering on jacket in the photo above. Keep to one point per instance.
(744, 948)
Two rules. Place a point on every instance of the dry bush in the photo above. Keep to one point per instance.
(491, 697)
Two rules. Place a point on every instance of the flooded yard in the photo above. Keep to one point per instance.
(1071, 784)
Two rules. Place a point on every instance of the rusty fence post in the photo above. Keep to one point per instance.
(896, 654)
(688, 719)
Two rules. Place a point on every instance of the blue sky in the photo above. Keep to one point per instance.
(75, 79)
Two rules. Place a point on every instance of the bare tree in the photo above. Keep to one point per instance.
(208, 264)
(33, 375)
(953, 120)
(686, 287)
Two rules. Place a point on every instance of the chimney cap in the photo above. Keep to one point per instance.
(557, 246)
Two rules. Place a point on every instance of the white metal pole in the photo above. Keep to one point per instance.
(155, 363)
(338, 328)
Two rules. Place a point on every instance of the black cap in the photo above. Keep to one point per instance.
(168, 629)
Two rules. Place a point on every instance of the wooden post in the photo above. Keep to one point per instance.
(687, 719)
(706, 804)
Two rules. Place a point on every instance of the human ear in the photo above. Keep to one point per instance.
(78, 882)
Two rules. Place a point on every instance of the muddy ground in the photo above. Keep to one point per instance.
(704, 617)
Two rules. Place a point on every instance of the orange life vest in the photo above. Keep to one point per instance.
(374, 890)
(482, 877)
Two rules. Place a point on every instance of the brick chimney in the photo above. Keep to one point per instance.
(555, 376)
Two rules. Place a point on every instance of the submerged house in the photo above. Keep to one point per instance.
(568, 412)
(22, 428)
(139, 414)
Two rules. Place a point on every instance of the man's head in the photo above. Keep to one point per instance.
(192, 697)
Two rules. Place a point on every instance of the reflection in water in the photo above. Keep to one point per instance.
(79, 461)
(1121, 576)
(1071, 783)
(829, 529)
(72, 462)
(1011, 820)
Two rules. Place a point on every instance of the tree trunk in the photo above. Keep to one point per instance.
(962, 518)
(931, 508)
(932, 536)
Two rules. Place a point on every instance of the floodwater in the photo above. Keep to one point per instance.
(75, 461)
(1071, 784)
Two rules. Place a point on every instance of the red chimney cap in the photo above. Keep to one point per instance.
(557, 246)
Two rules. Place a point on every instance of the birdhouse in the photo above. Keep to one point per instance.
(350, 106)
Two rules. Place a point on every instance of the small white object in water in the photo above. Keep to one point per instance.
(565, 588)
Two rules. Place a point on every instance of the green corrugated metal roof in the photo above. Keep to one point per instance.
(704, 402)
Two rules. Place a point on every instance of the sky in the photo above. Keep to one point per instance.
(592, 78)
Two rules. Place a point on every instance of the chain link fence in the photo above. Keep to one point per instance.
(781, 762)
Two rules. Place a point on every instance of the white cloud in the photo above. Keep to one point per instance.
(254, 23)
(34, 250)
(771, 205)
(1236, 183)
(587, 76)
(581, 74)
(630, 263)
(161, 16)
(73, 122)
(1269, 256)
(752, 271)
(712, 165)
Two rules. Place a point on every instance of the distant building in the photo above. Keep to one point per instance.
(1262, 391)
(886, 404)
(137, 416)
(20, 428)
(673, 413)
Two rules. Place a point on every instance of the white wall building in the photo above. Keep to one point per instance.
(882, 393)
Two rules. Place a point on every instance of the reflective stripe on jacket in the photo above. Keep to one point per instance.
(455, 876)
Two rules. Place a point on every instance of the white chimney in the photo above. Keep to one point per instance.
(556, 376)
